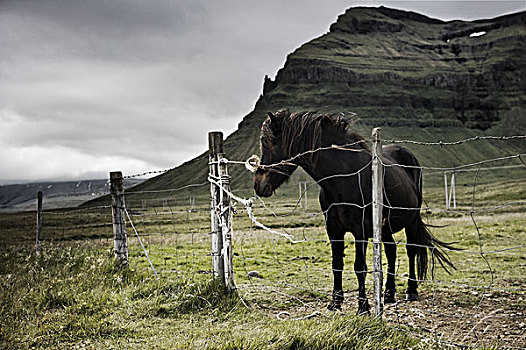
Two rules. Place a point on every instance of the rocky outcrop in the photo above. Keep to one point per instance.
(420, 78)
(374, 61)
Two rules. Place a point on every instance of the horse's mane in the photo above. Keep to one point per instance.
(302, 131)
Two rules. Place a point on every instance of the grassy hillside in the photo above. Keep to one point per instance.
(418, 78)
(398, 68)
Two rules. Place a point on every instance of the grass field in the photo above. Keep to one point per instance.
(72, 295)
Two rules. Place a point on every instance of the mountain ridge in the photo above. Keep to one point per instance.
(419, 78)
(421, 58)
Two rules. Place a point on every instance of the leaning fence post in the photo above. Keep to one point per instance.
(215, 147)
(120, 240)
(39, 219)
(377, 192)
(226, 221)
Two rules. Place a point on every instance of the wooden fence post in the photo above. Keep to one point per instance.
(39, 219)
(120, 240)
(452, 192)
(226, 221)
(215, 147)
(445, 184)
(302, 186)
(377, 192)
(299, 195)
(306, 195)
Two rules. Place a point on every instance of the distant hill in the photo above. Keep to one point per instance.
(418, 78)
(55, 194)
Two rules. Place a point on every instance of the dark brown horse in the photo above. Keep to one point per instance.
(339, 160)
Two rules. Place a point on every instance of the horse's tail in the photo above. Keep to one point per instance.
(424, 240)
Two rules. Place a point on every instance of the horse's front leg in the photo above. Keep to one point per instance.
(337, 247)
(360, 268)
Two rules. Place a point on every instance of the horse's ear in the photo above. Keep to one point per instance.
(272, 117)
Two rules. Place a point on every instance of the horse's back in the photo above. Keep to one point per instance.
(401, 155)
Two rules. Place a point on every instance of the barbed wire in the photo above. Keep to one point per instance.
(456, 168)
(78, 194)
(290, 161)
(459, 142)
(461, 211)
(77, 210)
(345, 147)
(248, 202)
(152, 172)
(141, 213)
(482, 253)
(478, 169)
(171, 231)
(169, 190)
(79, 226)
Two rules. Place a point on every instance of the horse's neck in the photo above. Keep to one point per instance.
(330, 161)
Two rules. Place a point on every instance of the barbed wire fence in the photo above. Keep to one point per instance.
(62, 218)
(280, 254)
(167, 231)
(170, 230)
(57, 228)
(482, 303)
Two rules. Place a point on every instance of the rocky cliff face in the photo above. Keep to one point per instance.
(401, 68)
(417, 77)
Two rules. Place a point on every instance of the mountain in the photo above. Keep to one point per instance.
(17, 197)
(418, 78)
(396, 68)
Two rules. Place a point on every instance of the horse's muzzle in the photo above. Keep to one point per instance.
(263, 189)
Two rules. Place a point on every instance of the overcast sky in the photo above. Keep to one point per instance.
(90, 86)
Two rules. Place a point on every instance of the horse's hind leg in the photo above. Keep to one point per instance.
(411, 294)
(390, 252)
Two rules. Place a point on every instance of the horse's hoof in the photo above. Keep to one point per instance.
(363, 308)
(365, 312)
(389, 300)
(389, 297)
(334, 306)
(336, 302)
(411, 296)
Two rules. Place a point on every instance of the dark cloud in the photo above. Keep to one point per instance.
(135, 85)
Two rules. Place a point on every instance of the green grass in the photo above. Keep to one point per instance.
(72, 294)
(71, 297)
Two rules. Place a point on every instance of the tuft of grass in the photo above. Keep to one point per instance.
(56, 296)
(78, 297)
(334, 332)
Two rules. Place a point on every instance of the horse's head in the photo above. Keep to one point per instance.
(274, 168)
